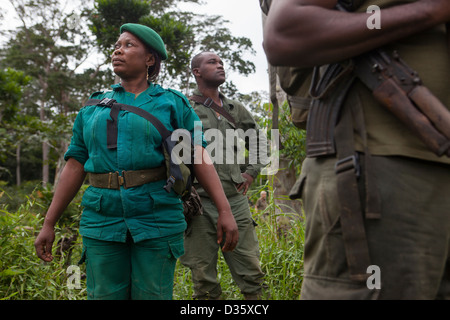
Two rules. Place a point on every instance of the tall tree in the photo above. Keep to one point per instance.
(184, 33)
(12, 83)
(50, 45)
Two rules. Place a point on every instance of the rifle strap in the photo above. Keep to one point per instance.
(348, 172)
(112, 128)
(372, 201)
(209, 103)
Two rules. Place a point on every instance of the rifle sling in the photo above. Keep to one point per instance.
(209, 103)
(112, 128)
(352, 223)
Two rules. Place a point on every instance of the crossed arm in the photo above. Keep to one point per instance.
(295, 28)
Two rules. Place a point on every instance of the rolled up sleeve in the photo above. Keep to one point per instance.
(77, 148)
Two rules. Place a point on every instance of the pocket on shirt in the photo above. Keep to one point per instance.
(236, 174)
(163, 201)
(167, 212)
(177, 247)
(92, 200)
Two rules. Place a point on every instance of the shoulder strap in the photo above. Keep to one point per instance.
(112, 132)
(116, 107)
(209, 103)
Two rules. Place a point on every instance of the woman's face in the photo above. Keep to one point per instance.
(131, 58)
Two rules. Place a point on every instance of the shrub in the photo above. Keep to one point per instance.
(24, 276)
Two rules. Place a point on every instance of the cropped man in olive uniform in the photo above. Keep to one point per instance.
(201, 248)
(408, 239)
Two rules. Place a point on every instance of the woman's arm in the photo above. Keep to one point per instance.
(206, 174)
(307, 33)
(71, 179)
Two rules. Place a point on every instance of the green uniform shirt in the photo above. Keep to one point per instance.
(428, 54)
(147, 211)
(230, 171)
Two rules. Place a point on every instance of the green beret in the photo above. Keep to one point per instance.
(148, 36)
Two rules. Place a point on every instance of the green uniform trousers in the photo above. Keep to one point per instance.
(410, 243)
(138, 271)
(201, 251)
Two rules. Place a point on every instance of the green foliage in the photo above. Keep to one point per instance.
(177, 37)
(24, 277)
(47, 49)
(281, 260)
(11, 90)
(49, 46)
(281, 239)
(109, 15)
(292, 139)
(184, 34)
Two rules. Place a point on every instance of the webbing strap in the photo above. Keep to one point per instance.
(209, 103)
(112, 132)
(351, 218)
(112, 127)
(372, 201)
(115, 108)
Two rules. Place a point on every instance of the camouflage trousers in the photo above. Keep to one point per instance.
(409, 244)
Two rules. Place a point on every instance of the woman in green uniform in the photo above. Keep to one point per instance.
(132, 234)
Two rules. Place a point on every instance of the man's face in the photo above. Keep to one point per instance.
(211, 69)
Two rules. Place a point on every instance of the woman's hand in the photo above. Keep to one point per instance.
(70, 181)
(44, 243)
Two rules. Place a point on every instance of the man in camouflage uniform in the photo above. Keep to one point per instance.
(408, 238)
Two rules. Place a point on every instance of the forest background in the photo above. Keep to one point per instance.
(43, 85)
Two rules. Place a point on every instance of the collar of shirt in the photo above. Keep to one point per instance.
(152, 90)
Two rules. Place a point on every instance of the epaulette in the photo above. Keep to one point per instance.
(182, 96)
(98, 93)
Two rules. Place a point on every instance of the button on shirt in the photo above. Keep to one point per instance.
(146, 211)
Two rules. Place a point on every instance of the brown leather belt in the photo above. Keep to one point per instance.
(128, 179)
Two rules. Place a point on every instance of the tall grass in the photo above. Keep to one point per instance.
(23, 276)
(281, 256)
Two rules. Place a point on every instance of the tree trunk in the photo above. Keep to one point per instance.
(45, 146)
(283, 182)
(18, 176)
(61, 162)
(45, 165)
(286, 210)
(45, 151)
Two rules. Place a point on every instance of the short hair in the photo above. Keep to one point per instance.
(197, 59)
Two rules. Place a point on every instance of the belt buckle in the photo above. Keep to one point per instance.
(120, 180)
(208, 102)
(348, 163)
(106, 102)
